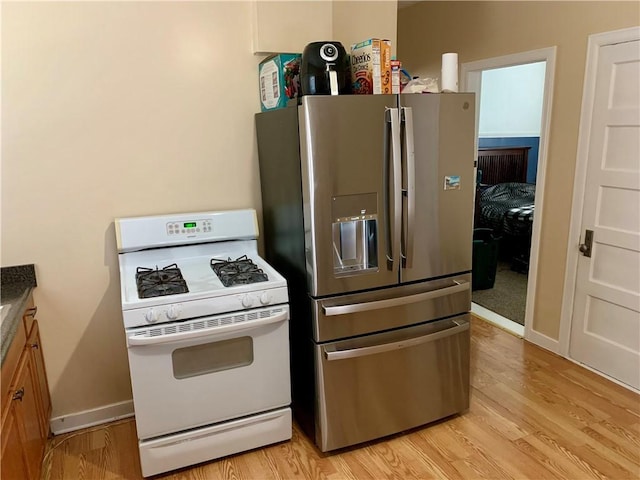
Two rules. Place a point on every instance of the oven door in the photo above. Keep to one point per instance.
(207, 370)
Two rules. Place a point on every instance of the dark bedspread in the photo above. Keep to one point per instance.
(508, 208)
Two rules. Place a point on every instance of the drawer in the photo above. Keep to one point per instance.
(356, 314)
(10, 365)
(380, 384)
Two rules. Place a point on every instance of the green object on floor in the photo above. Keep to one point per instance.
(485, 259)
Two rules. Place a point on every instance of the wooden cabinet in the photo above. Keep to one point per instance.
(287, 27)
(14, 463)
(41, 384)
(280, 27)
(26, 404)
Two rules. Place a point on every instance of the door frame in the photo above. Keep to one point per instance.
(595, 42)
(471, 74)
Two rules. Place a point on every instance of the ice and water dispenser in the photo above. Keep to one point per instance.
(355, 234)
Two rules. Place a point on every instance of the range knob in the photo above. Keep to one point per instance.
(265, 298)
(247, 301)
(174, 312)
(151, 316)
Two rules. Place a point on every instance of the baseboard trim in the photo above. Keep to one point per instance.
(498, 320)
(598, 372)
(90, 418)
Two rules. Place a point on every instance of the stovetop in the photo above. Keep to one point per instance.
(158, 282)
(177, 253)
(193, 272)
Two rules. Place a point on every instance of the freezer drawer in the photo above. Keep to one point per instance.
(346, 316)
(385, 383)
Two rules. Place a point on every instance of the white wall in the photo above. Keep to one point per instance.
(114, 109)
(511, 101)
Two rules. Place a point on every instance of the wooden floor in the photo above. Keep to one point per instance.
(533, 415)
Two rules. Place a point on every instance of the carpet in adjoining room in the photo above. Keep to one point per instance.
(508, 296)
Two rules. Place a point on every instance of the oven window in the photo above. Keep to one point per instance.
(212, 357)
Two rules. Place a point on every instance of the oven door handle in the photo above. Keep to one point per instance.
(457, 287)
(133, 340)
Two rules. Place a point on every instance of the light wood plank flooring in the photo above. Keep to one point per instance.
(533, 415)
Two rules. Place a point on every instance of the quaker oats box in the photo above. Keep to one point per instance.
(279, 80)
(371, 67)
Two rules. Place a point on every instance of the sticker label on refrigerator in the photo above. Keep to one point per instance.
(452, 182)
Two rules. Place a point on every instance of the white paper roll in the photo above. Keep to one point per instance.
(449, 72)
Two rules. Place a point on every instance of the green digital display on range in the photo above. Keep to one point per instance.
(190, 225)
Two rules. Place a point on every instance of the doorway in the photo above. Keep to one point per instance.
(472, 81)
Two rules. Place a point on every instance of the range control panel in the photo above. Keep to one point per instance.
(138, 233)
(189, 227)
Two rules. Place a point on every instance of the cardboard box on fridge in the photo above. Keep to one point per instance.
(396, 67)
(371, 66)
(279, 80)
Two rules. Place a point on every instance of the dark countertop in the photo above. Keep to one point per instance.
(16, 284)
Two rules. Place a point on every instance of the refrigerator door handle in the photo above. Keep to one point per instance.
(386, 190)
(457, 287)
(395, 196)
(407, 119)
(455, 328)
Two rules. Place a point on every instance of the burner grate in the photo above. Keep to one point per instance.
(159, 282)
(240, 271)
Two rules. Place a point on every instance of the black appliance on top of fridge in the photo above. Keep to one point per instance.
(367, 207)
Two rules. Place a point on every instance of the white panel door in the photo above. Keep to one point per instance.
(605, 328)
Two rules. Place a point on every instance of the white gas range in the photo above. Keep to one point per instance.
(206, 321)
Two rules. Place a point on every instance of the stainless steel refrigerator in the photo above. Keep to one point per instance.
(367, 208)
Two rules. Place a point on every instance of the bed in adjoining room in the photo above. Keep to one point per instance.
(505, 202)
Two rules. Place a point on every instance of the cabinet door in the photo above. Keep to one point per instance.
(13, 464)
(25, 403)
(40, 378)
(274, 32)
(29, 315)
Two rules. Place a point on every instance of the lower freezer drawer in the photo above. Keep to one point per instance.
(373, 386)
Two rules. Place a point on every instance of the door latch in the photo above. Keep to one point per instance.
(585, 248)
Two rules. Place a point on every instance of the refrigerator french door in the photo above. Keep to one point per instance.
(439, 184)
(367, 205)
(348, 149)
(389, 189)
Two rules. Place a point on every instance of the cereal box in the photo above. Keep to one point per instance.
(371, 66)
(279, 77)
(396, 66)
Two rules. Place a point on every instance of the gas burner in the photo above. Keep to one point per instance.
(240, 271)
(156, 283)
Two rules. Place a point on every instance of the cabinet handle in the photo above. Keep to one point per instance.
(32, 312)
(18, 394)
(34, 345)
